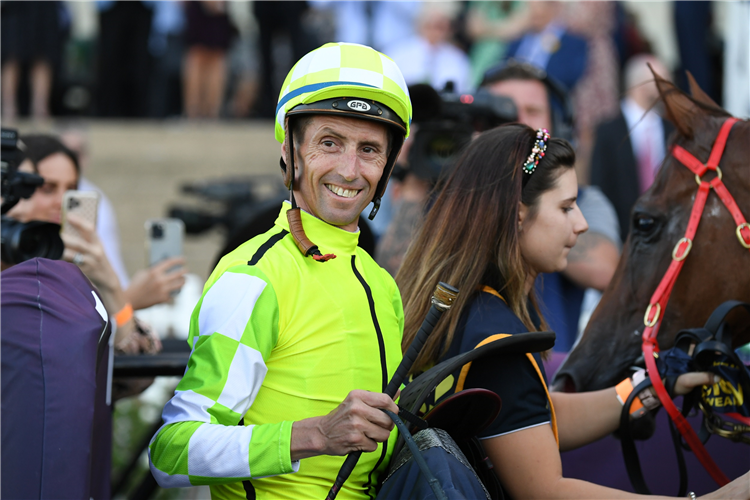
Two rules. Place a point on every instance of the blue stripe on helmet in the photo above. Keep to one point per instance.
(315, 87)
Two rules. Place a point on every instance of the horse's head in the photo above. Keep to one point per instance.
(717, 268)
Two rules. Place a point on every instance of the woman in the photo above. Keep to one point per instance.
(49, 158)
(507, 213)
(209, 35)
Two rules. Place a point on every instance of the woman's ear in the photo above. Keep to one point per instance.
(523, 212)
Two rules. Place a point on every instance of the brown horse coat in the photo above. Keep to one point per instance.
(717, 269)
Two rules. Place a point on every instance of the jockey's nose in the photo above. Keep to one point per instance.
(349, 168)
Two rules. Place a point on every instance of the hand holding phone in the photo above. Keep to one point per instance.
(164, 256)
(163, 239)
(157, 284)
(83, 204)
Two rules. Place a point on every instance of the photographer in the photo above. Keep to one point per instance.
(57, 424)
(58, 166)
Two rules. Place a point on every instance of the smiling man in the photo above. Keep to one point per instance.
(293, 342)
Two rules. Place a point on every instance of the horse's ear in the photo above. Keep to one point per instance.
(680, 108)
(698, 93)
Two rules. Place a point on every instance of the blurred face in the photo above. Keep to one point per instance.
(547, 236)
(530, 98)
(436, 28)
(45, 204)
(644, 91)
(338, 165)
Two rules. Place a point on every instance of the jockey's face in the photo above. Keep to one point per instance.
(338, 164)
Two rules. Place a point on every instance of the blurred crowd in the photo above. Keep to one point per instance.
(226, 59)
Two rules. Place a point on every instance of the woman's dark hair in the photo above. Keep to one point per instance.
(41, 146)
(470, 235)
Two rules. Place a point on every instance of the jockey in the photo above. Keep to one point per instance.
(293, 342)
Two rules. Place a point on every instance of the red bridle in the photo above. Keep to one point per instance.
(681, 250)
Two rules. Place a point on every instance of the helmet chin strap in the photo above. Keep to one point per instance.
(294, 215)
(375, 207)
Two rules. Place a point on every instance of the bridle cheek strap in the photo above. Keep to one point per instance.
(660, 298)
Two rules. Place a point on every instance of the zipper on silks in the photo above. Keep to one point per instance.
(383, 365)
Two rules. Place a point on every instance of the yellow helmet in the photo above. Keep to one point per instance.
(347, 79)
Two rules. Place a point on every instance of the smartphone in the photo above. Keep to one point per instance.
(163, 239)
(84, 204)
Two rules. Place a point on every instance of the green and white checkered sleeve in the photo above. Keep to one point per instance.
(233, 329)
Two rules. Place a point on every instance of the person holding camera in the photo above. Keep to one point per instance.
(58, 166)
(57, 414)
(298, 329)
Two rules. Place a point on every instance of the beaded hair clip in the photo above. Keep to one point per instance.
(537, 152)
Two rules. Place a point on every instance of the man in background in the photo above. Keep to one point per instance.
(629, 148)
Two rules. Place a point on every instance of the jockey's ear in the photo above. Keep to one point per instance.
(698, 93)
(680, 109)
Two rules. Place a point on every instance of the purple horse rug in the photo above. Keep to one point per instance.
(56, 420)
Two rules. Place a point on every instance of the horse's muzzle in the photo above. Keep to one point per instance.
(563, 383)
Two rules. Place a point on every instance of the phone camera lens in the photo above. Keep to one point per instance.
(157, 231)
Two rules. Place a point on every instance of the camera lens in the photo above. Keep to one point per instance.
(157, 231)
(22, 242)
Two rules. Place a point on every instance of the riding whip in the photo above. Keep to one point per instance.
(442, 299)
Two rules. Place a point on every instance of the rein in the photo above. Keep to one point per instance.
(660, 298)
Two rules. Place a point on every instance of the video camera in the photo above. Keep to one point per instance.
(446, 123)
(22, 241)
(229, 203)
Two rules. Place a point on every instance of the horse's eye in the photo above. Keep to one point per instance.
(643, 223)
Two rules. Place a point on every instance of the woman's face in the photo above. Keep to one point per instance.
(548, 235)
(45, 204)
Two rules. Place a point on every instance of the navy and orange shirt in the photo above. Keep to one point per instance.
(521, 385)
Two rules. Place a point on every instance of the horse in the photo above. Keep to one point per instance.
(715, 270)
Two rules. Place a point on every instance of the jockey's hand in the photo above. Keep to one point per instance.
(357, 424)
(689, 381)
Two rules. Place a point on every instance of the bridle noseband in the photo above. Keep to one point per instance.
(659, 299)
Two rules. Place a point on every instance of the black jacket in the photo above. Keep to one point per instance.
(614, 167)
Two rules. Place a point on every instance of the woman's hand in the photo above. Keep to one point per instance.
(87, 252)
(137, 337)
(689, 381)
(157, 284)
